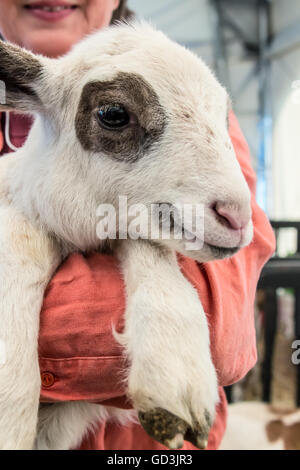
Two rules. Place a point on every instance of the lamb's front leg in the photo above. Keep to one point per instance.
(172, 381)
(27, 260)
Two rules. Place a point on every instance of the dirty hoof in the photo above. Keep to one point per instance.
(164, 427)
(171, 431)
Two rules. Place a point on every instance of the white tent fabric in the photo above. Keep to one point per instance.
(286, 116)
(286, 161)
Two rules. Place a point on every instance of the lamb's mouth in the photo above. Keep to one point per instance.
(221, 252)
(218, 252)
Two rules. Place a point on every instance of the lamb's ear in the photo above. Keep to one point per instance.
(20, 72)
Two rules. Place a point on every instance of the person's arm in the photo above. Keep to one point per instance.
(79, 357)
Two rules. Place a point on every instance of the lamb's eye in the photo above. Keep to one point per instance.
(113, 116)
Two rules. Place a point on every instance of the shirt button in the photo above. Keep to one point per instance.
(48, 379)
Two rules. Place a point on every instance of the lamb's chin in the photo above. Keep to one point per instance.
(218, 252)
(210, 253)
(200, 251)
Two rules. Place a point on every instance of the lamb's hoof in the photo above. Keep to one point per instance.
(164, 427)
(198, 436)
(171, 431)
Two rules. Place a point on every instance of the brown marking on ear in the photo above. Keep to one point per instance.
(19, 69)
(138, 97)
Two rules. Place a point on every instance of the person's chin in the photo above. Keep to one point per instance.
(51, 43)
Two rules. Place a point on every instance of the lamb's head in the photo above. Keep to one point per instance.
(130, 113)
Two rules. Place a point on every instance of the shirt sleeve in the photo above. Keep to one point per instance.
(79, 357)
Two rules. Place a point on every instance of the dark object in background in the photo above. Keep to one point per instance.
(279, 272)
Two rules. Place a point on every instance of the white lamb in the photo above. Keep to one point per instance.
(126, 112)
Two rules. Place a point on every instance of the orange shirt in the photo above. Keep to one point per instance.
(79, 358)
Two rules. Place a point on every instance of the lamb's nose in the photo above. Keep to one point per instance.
(236, 219)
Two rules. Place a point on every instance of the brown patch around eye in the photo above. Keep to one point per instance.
(138, 97)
